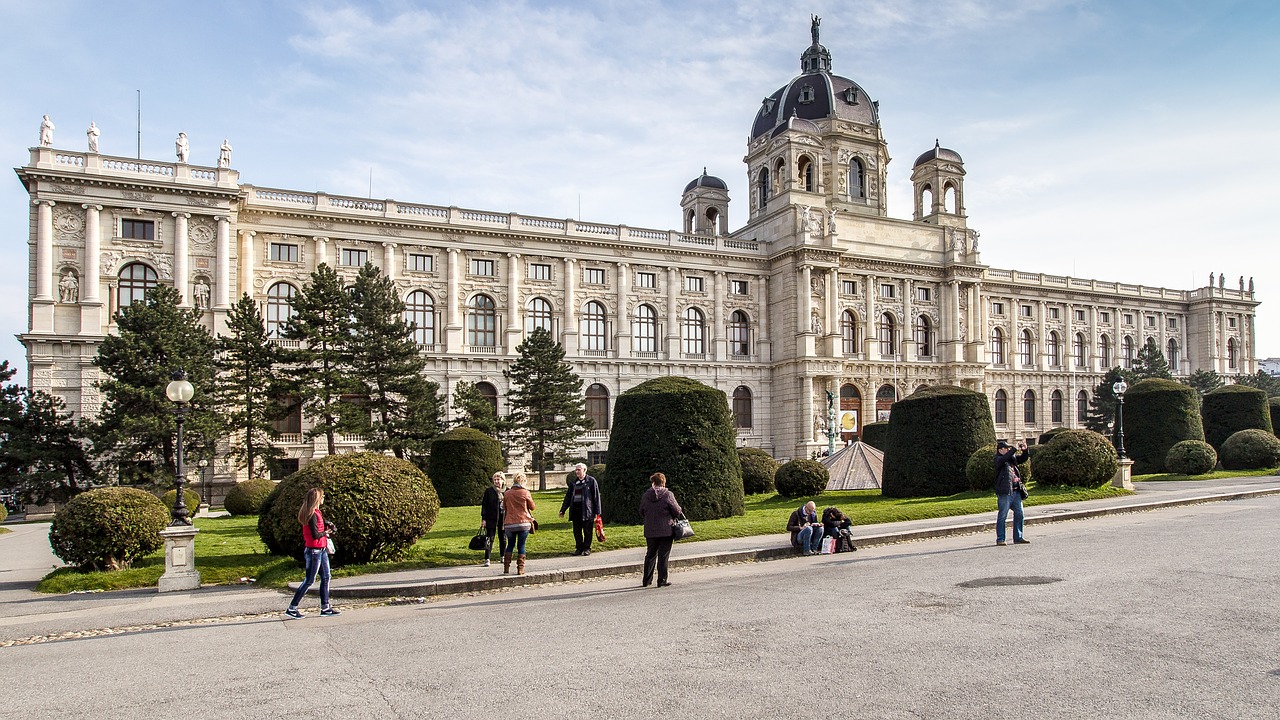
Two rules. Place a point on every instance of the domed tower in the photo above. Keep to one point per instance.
(705, 205)
(816, 141)
(938, 179)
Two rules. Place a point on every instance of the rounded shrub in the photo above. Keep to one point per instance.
(980, 470)
(1080, 458)
(462, 462)
(108, 528)
(380, 506)
(1250, 449)
(932, 434)
(875, 434)
(1191, 457)
(758, 470)
(801, 478)
(683, 429)
(246, 498)
(1233, 408)
(189, 496)
(1158, 414)
(1048, 435)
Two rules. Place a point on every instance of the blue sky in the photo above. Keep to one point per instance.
(1131, 141)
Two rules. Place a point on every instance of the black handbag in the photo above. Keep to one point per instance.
(478, 541)
(681, 529)
(1020, 488)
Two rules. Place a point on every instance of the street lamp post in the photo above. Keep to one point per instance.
(1119, 388)
(180, 536)
(180, 392)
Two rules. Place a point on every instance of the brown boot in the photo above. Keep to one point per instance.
(520, 565)
(506, 563)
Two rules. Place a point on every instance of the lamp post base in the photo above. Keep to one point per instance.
(1124, 475)
(179, 559)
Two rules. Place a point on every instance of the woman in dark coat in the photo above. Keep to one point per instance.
(659, 509)
(491, 512)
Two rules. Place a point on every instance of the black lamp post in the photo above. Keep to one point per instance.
(1119, 388)
(179, 391)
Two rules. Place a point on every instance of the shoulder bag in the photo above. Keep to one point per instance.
(478, 541)
(681, 529)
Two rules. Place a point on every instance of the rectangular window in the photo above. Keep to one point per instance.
(539, 271)
(848, 287)
(1128, 318)
(738, 287)
(138, 229)
(1151, 321)
(487, 268)
(597, 457)
(284, 252)
(693, 284)
(1104, 317)
(1231, 322)
(1173, 323)
(924, 294)
(1025, 311)
(420, 263)
(353, 258)
(646, 280)
(593, 276)
(997, 308)
(1054, 313)
(887, 290)
(1079, 316)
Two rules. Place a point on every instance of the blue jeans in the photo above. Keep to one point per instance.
(317, 563)
(810, 539)
(1012, 500)
(514, 537)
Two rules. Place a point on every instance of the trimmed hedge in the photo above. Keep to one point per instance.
(1191, 457)
(801, 478)
(246, 498)
(108, 528)
(189, 496)
(683, 429)
(980, 470)
(876, 434)
(1079, 458)
(462, 465)
(1233, 408)
(1273, 406)
(380, 506)
(1250, 449)
(758, 470)
(1048, 435)
(932, 434)
(1158, 414)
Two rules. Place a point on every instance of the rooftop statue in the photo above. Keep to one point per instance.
(46, 132)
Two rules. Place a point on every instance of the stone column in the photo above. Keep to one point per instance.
(1042, 344)
(248, 257)
(833, 313)
(181, 257)
(453, 303)
(321, 252)
(803, 307)
(44, 249)
(389, 260)
(90, 287)
(513, 302)
(673, 313)
(763, 342)
(570, 329)
(869, 335)
(222, 291)
(807, 434)
(719, 345)
(909, 349)
(1093, 345)
(977, 327)
(622, 331)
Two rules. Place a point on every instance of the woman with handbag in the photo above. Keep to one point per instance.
(315, 540)
(660, 511)
(518, 522)
(491, 513)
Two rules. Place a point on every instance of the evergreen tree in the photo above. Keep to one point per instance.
(548, 411)
(403, 406)
(1102, 403)
(156, 338)
(245, 388)
(321, 321)
(1204, 381)
(1151, 362)
(42, 452)
(473, 410)
(1262, 380)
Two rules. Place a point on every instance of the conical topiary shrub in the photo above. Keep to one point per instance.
(462, 464)
(1158, 414)
(1232, 408)
(683, 429)
(1273, 404)
(932, 434)
(875, 434)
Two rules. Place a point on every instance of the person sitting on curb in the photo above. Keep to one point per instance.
(835, 524)
(806, 531)
(1008, 483)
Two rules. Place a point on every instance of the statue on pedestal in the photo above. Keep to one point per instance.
(182, 147)
(46, 132)
(93, 134)
(202, 292)
(224, 154)
(69, 288)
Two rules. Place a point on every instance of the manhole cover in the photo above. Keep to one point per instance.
(1009, 580)
(1274, 673)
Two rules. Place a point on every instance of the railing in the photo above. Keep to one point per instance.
(482, 349)
(597, 434)
(350, 438)
(595, 353)
(484, 217)
(644, 355)
(422, 210)
(356, 204)
(285, 342)
(429, 348)
(289, 439)
(72, 160)
(285, 197)
(143, 168)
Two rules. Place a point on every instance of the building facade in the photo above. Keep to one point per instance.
(821, 291)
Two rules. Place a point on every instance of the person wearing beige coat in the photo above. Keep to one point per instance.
(517, 522)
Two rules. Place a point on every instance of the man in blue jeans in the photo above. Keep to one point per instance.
(1008, 484)
(805, 529)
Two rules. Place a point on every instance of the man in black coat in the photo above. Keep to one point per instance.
(582, 500)
(1008, 484)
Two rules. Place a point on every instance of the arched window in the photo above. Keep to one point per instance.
(1002, 407)
(1027, 349)
(850, 411)
(806, 174)
(742, 407)
(888, 346)
(537, 314)
(926, 200)
(949, 201)
(1055, 408)
(1080, 351)
(482, 322)
(135, 280)
(713, 220)
(279, 307)
(489, 393)
(849, 332)
(997, 346)
(1054, 349)
(420, 312)
(1127, 345)
(764, 188)
(688, 222)
(594, 327)
(924, 337)
(856, 179)
(644, 329)
(739, 334)
(693, 331)
(1231, 354)
(1104, 351)
(1029, 407)
(1082, 405)
(1171, 354)
(598, 406)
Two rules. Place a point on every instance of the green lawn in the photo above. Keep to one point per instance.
(228, 549)
(1216, 474)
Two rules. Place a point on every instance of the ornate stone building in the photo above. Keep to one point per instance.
(821, 291)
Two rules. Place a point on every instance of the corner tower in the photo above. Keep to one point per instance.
(705, 206)
(937, 179)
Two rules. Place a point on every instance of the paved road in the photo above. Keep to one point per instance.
(1162, 614)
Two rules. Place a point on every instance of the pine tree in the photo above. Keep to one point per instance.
(321, 321)
(42, 451)
(1204, 381)
(473, 410)
(1262, 380)
(1102, 404)
(548, 411)
(156, 338)
(246, 387)
(403, 406)
(1151, 362)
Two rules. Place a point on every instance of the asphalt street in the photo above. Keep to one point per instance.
(1170, 613)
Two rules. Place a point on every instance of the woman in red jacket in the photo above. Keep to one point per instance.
(315, 540)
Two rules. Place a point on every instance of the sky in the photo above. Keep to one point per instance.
(1116, 140)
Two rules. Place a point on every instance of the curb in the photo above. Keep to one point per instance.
(460, 586)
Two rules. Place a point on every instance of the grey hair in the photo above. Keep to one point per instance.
(580, 465)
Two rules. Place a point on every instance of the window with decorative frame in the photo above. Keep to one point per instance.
(484, 267)
(997, 346)
(693, 331)
(283, 252)
(351, 257)
(419, 262)
(739, 287)
(647, 280)
(594, 327)
(848, 332)
(739, 334)
(539, 271)
(848, 287)
(132, 229)
(693, 283)
(644, 329)
(742, 407)
(593, 276)
(598, 406)
(1029, 407)
(279, 308)
(420, 313)
(537, 314)
(1002, 408)
(482, 321)
(133, 282)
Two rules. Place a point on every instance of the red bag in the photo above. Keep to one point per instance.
(600, 528)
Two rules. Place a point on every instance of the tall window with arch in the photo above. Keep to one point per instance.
(135, 280)
(594, 327)
(950, 199)
(1027, 349)
(644, 329)
(739, 333)
(1029, 407)
(806, 174)
(763, 188)
(1055, 407)
(1127, 350)
(849, 332)
(857, 181)
(1171, 354)
(1053, 348)
(888, 336)
(693, 332)
(489, 393)
(420, 312)
(482, 322)
(1082, 405)
(537, 314)
(1232, 354)
(924, 336)
(1002, 407)
(1104, 351)
(997, 346)
(279, 308)
(598, 406)
(1080, 350)
(742, 407)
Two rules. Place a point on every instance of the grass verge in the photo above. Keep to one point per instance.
(1215, 475)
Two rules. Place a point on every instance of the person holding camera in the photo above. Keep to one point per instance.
(1009, 489)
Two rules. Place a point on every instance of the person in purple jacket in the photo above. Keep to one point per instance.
(659, 509)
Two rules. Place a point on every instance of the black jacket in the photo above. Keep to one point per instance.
(491, 509)
(1006, 470)
(590, 498)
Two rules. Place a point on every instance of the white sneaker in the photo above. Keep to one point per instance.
(485, 564)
